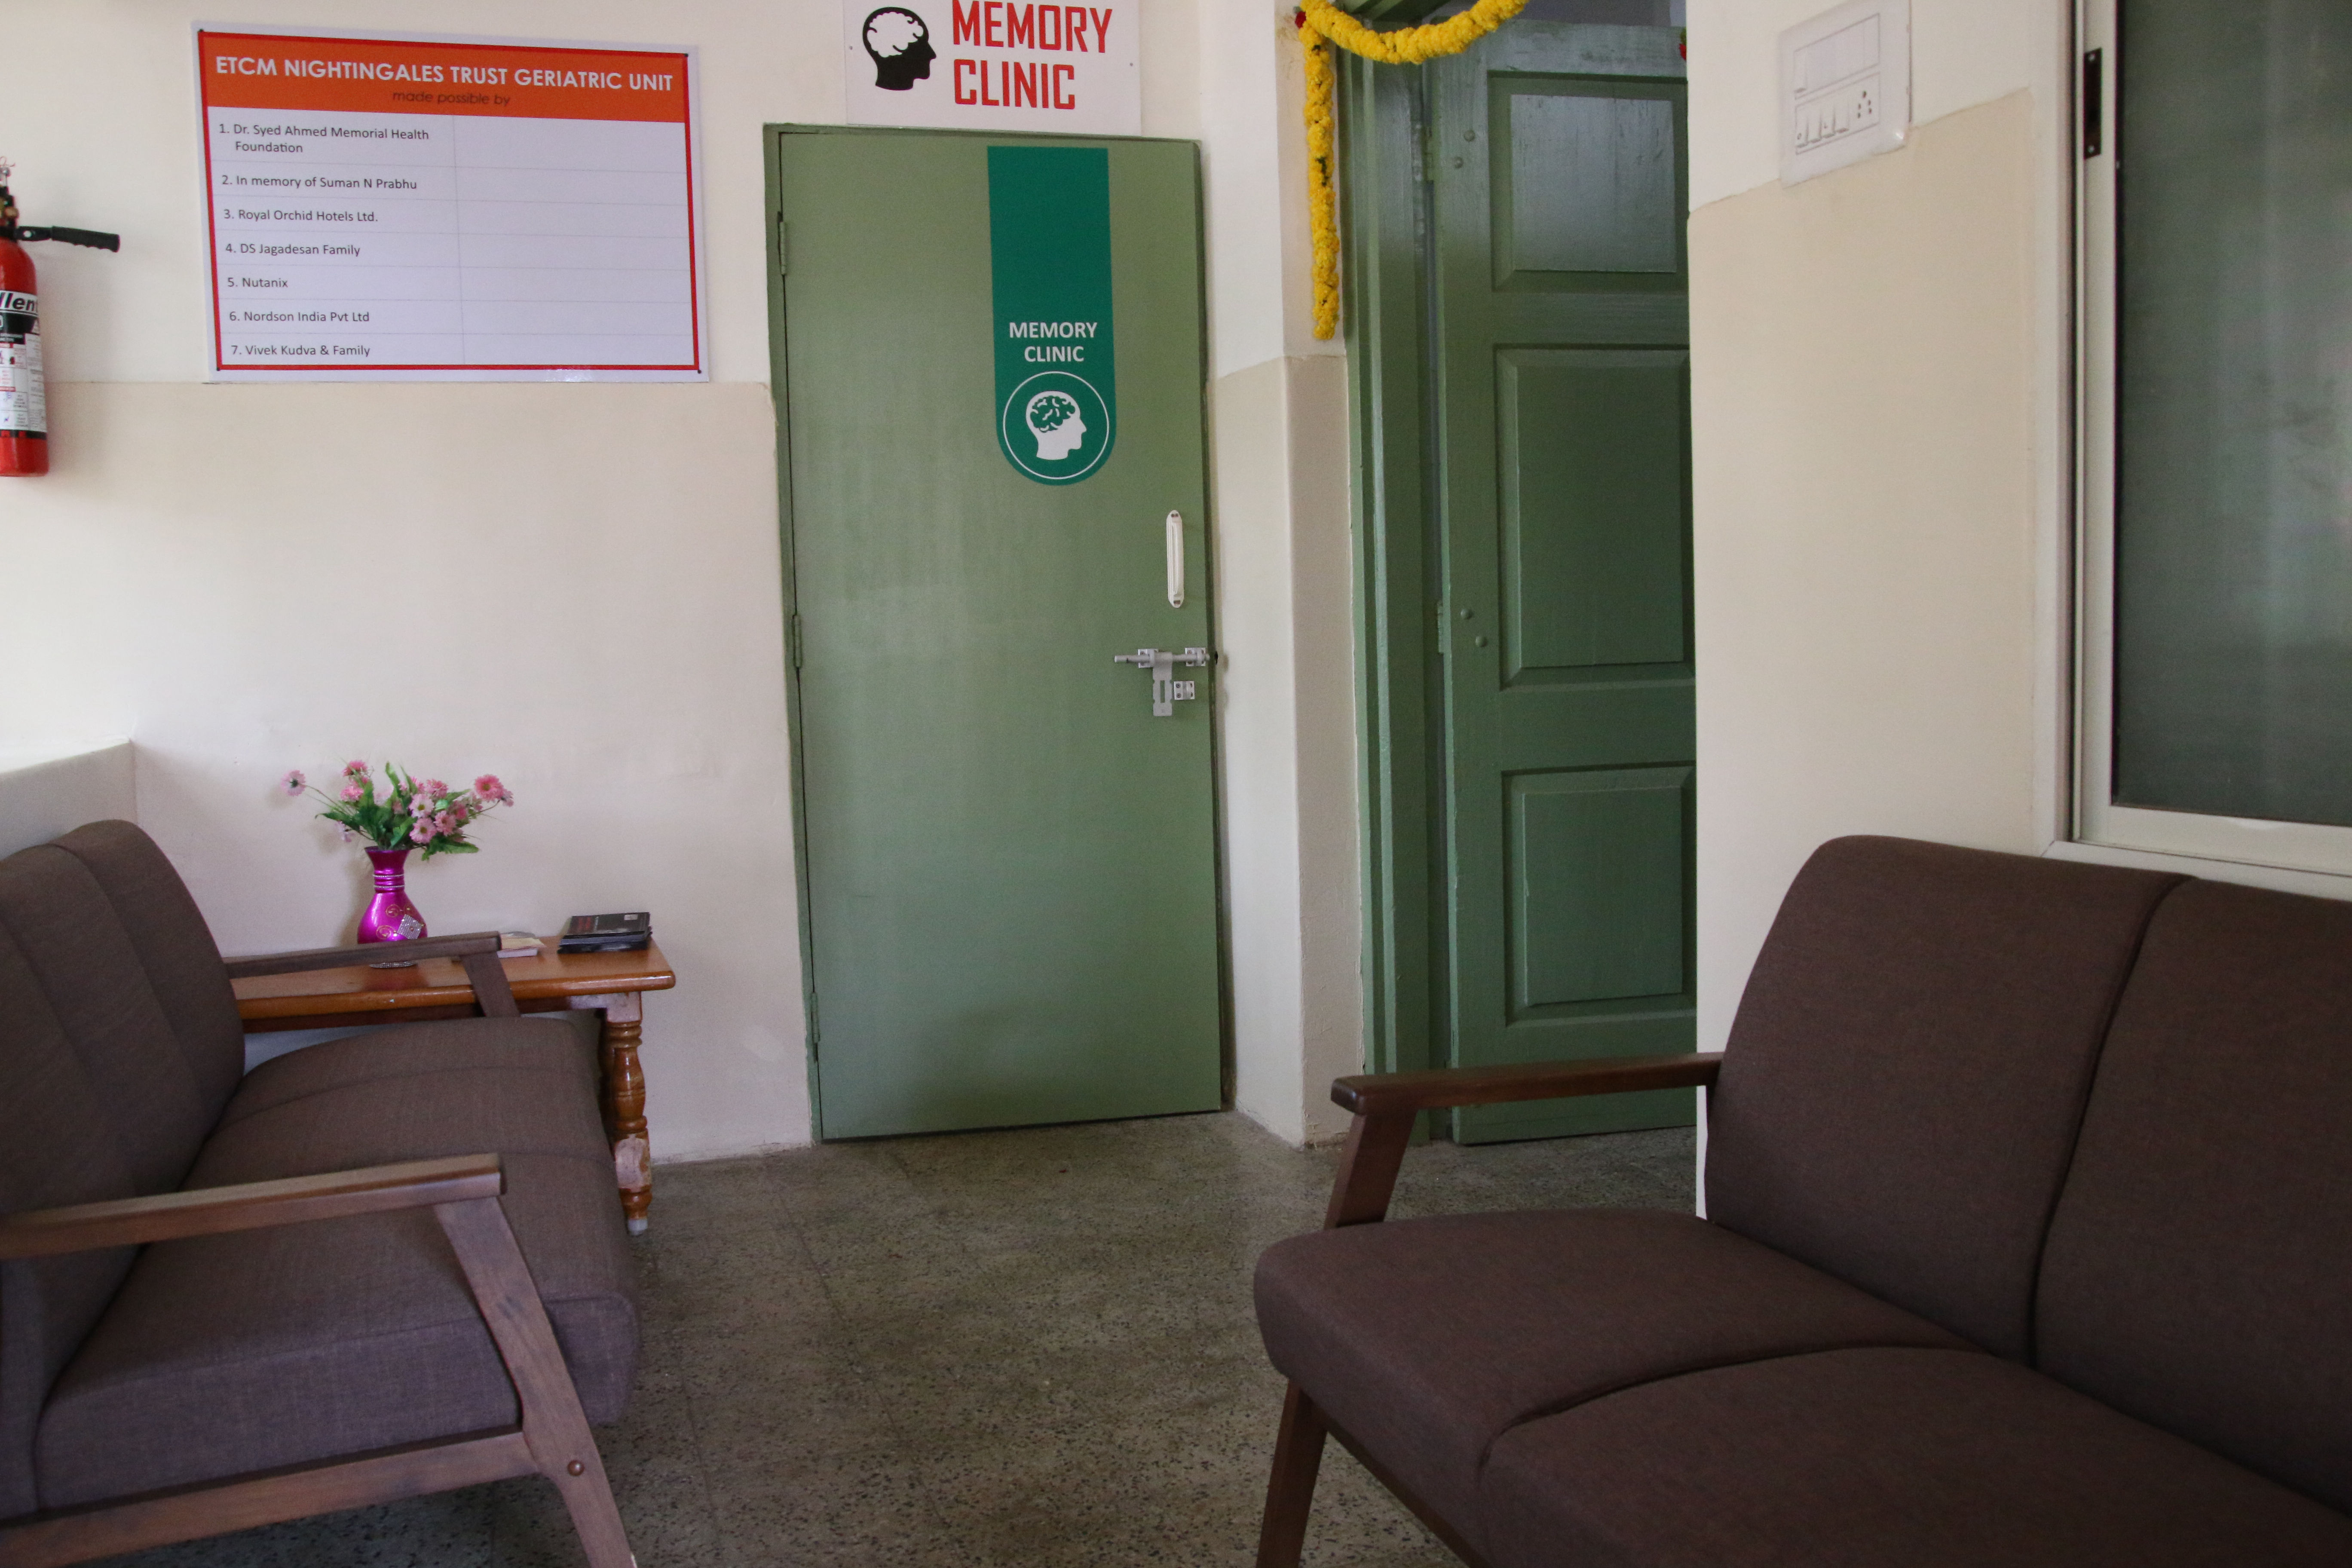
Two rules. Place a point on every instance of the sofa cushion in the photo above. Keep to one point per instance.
(229, 1353)
(1904, 1080)
(1423, 1339)
(1867, 1459)
(365, 1071)
(62, 1151)
(90, 970)
(176, 948)
(2199, 1269)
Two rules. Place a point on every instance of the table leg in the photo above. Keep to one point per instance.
(625, 1103)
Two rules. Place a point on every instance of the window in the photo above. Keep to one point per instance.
(2215, 680)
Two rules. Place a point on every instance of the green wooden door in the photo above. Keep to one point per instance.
(1561, 382)
(1008, 862)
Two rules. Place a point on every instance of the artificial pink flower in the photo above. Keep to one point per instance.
(355, 768)
(488, 787)
(448, 822)
(432, 789)
(352, 792)
(421, 834)
(293, 782)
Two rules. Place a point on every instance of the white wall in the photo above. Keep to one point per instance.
(1879, 410)
(1284, 626)
(573, 586)
(42, 797)
(1285, 618)
(577, 586)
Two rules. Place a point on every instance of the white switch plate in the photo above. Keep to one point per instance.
(1845, 86)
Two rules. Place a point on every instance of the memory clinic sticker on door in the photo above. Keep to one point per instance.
(986, 64)
(1049, 277)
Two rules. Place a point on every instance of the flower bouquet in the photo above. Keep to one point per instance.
(406, 813)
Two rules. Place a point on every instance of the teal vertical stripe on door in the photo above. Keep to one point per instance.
(1050, 275)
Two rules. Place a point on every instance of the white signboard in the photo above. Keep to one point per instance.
(449, 209)
(993, 65)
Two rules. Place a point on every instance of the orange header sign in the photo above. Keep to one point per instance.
(368, 76)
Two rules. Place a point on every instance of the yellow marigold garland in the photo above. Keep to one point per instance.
(1321, 25)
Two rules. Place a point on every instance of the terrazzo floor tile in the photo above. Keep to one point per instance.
(974, 1350)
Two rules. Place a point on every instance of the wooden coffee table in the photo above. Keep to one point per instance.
(614, 984)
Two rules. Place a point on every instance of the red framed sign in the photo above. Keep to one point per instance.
(450, 209)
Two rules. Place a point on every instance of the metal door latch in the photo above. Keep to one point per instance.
(1166, 689)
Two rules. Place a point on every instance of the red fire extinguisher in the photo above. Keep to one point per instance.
(23, 397)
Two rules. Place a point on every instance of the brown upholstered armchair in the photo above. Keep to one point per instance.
(2025, 1243)
(383, 1265)
(1385, 1106)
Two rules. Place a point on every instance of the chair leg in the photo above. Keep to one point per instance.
(554, 1425)
(588, 1497)
(1290, 1489)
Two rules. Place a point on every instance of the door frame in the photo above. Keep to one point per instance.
(779, 260)
(1387, 222)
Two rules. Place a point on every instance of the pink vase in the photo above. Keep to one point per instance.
(390, 917)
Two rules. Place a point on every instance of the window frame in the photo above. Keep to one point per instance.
(2096, 824)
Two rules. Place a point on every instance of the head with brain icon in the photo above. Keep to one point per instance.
(1054, 419)
(900, 45)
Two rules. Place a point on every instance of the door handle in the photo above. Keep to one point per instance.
(1166, 689)
(1175, 560)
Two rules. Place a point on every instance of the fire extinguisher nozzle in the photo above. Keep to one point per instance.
(91, 237)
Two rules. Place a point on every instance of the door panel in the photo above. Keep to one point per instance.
(1563, 414)
(1592, 507)
(1597, 875)
(1585, 180)
(1009, 865)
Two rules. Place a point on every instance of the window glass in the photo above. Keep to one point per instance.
(2233, 502)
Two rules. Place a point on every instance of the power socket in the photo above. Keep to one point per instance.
(1845, 86)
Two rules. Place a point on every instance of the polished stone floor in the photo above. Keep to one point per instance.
(1025, 1348)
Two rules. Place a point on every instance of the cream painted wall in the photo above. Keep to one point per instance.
(1963, 53)
(1279, 412)
(1285, 627)
(42, 797)
(1253, 106)
(573, 586)
(577, 591)
(576, 586)
(1879, 396)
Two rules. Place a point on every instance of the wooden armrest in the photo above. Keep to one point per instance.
(1386, 1103)
(1389, 1094)
(362, 952)
(479, 949)
(249, 1205)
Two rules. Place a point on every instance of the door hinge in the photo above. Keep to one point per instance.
(792, 639)
(2095, 103)
(783, 245)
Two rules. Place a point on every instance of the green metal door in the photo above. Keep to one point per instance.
(988, 361)
(1562, 405)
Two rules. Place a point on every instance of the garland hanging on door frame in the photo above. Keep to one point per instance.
(1321, 25)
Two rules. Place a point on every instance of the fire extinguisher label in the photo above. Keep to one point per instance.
(24, 404)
